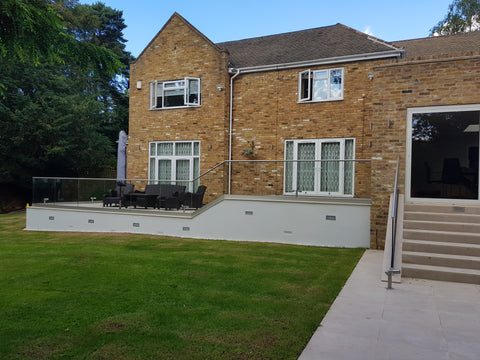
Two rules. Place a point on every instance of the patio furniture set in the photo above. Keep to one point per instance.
(159, 196)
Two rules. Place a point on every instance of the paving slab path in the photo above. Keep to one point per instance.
(417, 319)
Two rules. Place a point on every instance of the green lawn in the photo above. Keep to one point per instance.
(124, 296)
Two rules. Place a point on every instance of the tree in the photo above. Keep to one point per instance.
(59, 116)
(34, 32)
(462, 16)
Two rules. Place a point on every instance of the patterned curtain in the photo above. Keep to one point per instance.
(330, 173)
(165, 149)
(306, 170)
(348, 168)
(183, 149)
(164, 171)
(182, 172)
(289, 167)
(152, 171)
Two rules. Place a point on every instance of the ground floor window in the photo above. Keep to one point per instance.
(175, 162)
(443, 152)
(309, 171)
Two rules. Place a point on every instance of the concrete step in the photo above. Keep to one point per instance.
(441, 217)
(441, 273)
(445, 260)
(442, 208)
(442, 226)
(443, 236)
(441, 247)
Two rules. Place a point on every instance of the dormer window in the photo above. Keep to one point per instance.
(320, 85)
(175, 94)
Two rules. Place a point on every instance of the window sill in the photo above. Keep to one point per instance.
(176, 107)
(317, 101)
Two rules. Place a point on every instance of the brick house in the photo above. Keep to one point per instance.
(325, 93)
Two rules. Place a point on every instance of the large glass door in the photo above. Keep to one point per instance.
(444, 153)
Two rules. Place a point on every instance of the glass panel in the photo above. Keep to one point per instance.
(174, 84)
(159, 93)
(174, 97)
(196, 148)
(151, 176)
(183, 149)
(289, 167)
(152, 95)
(329, 180)
(152, 149)
(196, 173)
(445, 148)
(182, 172)
(304, 86)
(348, 168)
(165, 149)
(165, 171)
(336, 84)
(193, 91)
(320, 89)
(306, 170)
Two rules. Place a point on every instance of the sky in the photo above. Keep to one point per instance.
(221, 20)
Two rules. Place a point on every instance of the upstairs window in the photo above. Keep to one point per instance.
(320, 85)
(175, 94)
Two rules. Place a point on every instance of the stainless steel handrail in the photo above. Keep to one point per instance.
(392, 269)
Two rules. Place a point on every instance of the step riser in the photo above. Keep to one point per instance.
(446, 218)
(409, 234)
(440, 261)
(442, 226)
(440, 275)
(446, 209)
(425, 246)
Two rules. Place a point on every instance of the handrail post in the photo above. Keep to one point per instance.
(392, 269)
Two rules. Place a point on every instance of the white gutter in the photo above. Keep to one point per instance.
(333, 60)
(230, 135)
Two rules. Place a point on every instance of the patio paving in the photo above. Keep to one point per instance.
(418, 319)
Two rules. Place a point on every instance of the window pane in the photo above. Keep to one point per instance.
(174, 84)
(152, 149)
(321, 74)
(159, 92)
(183, 149)
(152, 95)
(336, 84)
(306, 170)
(196, 148)
(289, 167)
(165, 149)
(196, 173)
(320, 89)
(348, 168)
(329, 180)
(305, 85)
(152, 169)
(174, 98)
(165, 171)
(182, 172)
(193, 91)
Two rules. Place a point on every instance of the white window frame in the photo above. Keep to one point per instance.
(317, 168)
(184, 85)
(193, 157)
(309, 76)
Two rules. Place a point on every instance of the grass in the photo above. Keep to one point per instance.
(125, 296)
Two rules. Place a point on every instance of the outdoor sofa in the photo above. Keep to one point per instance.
(155, 195)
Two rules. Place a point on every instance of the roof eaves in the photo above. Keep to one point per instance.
(395, 53)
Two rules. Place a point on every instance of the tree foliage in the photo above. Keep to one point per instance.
(34, 32)
(462, 16)
(60, 114)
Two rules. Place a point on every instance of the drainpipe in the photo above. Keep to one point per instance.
(230, 133)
